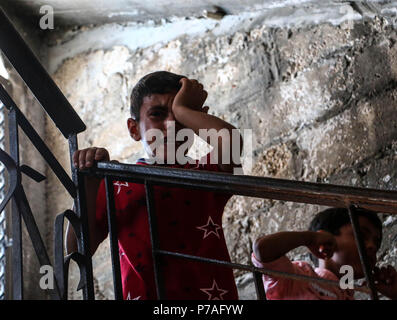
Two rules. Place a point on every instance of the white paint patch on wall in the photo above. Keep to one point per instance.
(227, 74)
(170, 56)
(303, 100)
(131, 36)
(282, 3)
(117, 62)
(135, 12)
(3, 70)
(335, 16)
(143, 35)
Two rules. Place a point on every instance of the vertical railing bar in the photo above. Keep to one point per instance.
(362, 252)
(3, 213)
(154, 239)
(259, 288)
(39, 144)
(59, 270)
(81, 211)
(17, 257)
(114, 248)
(33, 231)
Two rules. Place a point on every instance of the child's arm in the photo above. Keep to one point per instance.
(269, 248)
(188, 110)
(85, 159)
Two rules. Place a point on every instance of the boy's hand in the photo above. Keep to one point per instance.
(85, 158)
(323, 245)
(82, 159)
(386, 281)
(191, 95)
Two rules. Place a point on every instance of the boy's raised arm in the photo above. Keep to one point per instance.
(271, 247)
(189, 111)
(84, 159)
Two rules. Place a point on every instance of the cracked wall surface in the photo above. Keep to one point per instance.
(320, 99)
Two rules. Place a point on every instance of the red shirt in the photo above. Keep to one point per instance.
(189, 222)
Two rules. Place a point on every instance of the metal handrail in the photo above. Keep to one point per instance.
(276, 189)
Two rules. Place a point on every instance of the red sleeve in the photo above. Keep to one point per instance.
(101, 211)
(205, 164)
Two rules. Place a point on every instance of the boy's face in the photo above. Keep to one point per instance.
(156, 115)
(347, 253)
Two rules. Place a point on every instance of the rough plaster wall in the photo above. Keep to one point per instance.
(320, 100)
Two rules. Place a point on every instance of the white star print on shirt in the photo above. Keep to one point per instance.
(129, 297)
(119, 184)
(215, 293)
(209, 228)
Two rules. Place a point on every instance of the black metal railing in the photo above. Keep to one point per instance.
(276, 189)
(69, 123)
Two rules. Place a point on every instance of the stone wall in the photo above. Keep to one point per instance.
(320, 99)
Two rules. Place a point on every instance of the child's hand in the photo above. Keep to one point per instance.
(191, 95)
(386, 281)
(85, 158)
(323, 245)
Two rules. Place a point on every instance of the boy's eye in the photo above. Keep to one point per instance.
(157, 114)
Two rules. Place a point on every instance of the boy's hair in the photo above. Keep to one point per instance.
(333, 219)
(159, 82)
